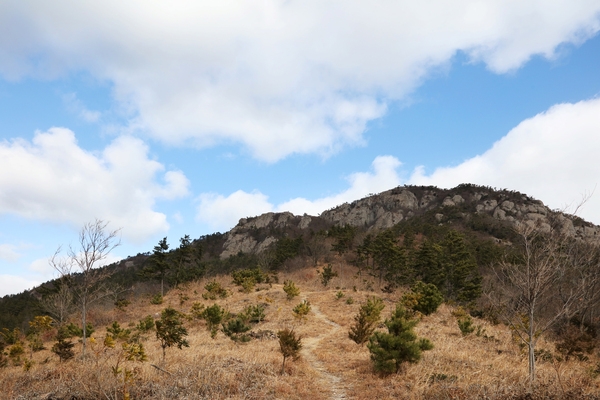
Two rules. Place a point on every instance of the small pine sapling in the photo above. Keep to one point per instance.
(301, 310)
(390, 350)
(289, 345)
(327, 275)
(170, 330)
(213, 316)
(290, 289)
(366, 320)
(214, 290)
(63, 348)
(236, 330)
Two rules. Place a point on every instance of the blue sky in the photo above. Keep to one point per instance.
(180, 118)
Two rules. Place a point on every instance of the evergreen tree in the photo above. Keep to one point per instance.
(428, 264)
(289, 345)
(366, 320)
(399, 345)
(157, 266)
(463, 281)
(170, 330)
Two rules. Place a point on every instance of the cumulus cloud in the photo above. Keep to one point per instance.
(222, 213)
(551, 156)
(51, 178)
(278, 77)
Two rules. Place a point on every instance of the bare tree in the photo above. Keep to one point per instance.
(94, 245)
(543, 282)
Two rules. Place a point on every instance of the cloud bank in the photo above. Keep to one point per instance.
(278, 77)
(552, 156)
(223, 212)
(52, 179)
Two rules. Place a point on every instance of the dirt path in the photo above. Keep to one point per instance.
(334, 382)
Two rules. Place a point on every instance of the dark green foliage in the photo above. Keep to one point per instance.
(156, 299)
(118, 333)
(186, 262)
(11, 337)
(286, 249)
(390, 350)
(121, 304)
(254, 314)
(466, 326)
(74, 330)
(16, 309)
(170, 330)
(236, 329)
(344, 238)
(289, 345)
(366, 320)
(247, 278)
(462, 277)
(214, 290)
(327, 275)
(423, 297)
(146, 324)
(63, 348)
(157, 265)
(213, 316)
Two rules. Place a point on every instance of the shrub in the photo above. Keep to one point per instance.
(254, 314)
(236, 329)
(170, 330)
(248, 278)
(197, 310)
(327, 275)
(121, 304)
(424, 298)
(63, 348)
(349, 300)
(390, 350)
(289, 345)
(339, 295)
(157, 299)
(213, 316)
(366, 320)
(466, 326)
(302, 309)
(290, 289)
(214, 290)
(146, 324)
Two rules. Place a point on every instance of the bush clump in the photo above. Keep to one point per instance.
(290, 289)
(423, 297)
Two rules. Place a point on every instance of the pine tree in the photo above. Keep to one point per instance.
(366, 320)
(399, 345)
(462, 277)
(289, 345)
(158, 266)
(170, 330)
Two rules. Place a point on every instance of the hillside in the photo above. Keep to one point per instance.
(378, 246)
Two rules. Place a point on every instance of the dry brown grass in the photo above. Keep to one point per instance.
(331, 367)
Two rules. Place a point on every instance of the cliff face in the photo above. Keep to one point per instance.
(386, 209)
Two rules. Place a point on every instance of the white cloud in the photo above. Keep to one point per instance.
(223, 213)
(551, 156)
(51, 178)
(278, 77)
(8, 252)
(11, 284)
(76, 106)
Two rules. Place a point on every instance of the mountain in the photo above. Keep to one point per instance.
(482, 213)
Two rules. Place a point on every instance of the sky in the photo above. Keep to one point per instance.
(172, 118)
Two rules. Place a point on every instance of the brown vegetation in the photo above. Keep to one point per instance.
(488, 363)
